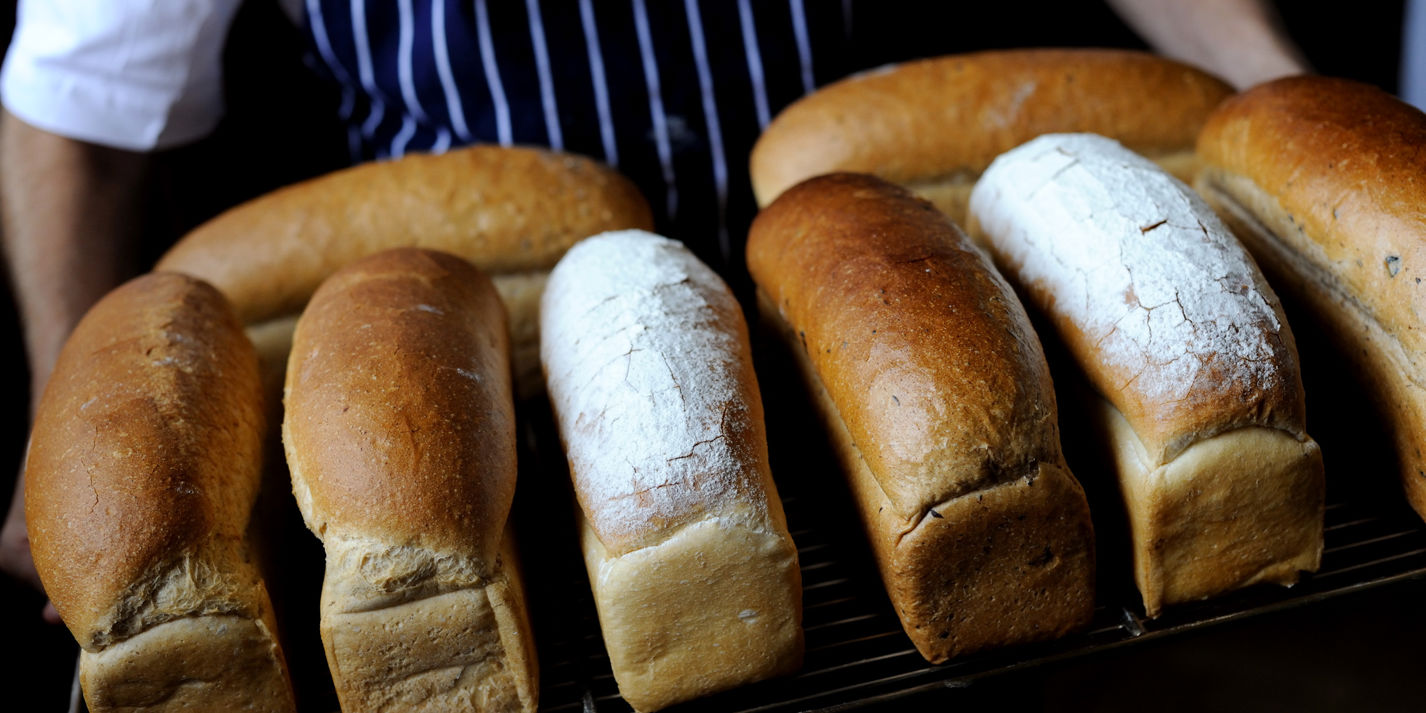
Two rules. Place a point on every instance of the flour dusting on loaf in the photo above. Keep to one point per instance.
(650, 376)
(640, 361)
(1135, 261)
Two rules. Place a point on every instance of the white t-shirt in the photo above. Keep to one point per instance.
(132, 74)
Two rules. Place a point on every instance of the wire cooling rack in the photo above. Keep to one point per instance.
(857, 655)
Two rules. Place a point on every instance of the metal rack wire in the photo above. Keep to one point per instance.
(857, 655)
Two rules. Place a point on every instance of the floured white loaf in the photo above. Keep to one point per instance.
(400, 435)
(649, 371)
(1175, 327)
(936, 396)
(143, 470)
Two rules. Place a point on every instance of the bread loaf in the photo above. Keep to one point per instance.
(400, 436)
(650, 375)
(933, 125)
(935, 392)
(143, 469)
(511, 211)
(1177, 330)
(1323, 180)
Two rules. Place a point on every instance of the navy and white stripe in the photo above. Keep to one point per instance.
(656, 112)
(671, 94)
(503, 133)
(365, 71)
(710, 118)
(542, 65)
(755, 62)
(804, 45)
(600, 82)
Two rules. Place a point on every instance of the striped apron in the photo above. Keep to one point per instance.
(672, 93)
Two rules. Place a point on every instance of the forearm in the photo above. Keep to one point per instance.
(70, 218)
(1239, 40)
(70, 214)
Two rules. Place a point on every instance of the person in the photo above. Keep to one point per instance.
(673, 94)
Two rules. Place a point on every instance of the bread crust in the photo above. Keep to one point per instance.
(142, 473)
(1100, 240)
(1234, 509)
(402, 365)
(504, 209)
(651, 379)
(1170, 320)
(933, 125)
(1008, 563)
(1321, 179)
(216, 663)
(709, 608)
(511, 211)
(939, 400)
(400, 436)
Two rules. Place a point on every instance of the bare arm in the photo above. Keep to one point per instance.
(1241, 41)
(70, 211)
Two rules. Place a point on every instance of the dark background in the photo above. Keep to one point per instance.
(1361, 651)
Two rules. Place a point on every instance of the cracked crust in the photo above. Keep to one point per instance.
(649, 370)
(934, 125)
(1163, 310)
(400, 437)
(651, 380)
(142, 474)
(1322, 179)
(1204, 405)
(935, 392)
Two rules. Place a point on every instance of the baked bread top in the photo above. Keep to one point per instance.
(145, 463)
(944, 119)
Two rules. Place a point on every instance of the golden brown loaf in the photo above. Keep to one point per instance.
(1323, 180)
(511, 211)
(935, 391)
(1173, 325)
(651, 378)
(400, 436)
(143, 470)
(933, 125)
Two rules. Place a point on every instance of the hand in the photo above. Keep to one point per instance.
(1242, 41)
